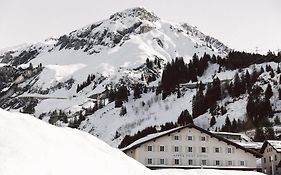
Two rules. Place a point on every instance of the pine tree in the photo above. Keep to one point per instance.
(278, 71)
(259, 135)
(268, 92)
(236, 86)
(277, 121)
(137, 91)
(269, 133)
(198, 104)
(123, 111)
(184, 118)
(213, 121)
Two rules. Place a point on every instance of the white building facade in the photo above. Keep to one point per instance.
(191, 147)
(271, 160)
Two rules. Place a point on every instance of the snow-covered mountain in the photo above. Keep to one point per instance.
(67, 81)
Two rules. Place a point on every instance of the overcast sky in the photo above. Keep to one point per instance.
(240, 24)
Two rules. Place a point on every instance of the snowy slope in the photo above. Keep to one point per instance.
(29, 147)
(114, 50)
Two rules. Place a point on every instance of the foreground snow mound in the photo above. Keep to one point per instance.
(205, 172)
(29, 146)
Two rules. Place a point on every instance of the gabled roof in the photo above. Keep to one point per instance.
(276, 144)
(161, 134)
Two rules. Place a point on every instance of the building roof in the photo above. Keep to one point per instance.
(150, 137)
(276, 144)
(244, 137)
(251, 145)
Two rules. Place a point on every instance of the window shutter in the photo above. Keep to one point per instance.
(153, 161)
(194, 149)
(246, 163)
(233, 150)
(186, 138)
(145, 148)
(172, 149)
(220, 149)
(180, 163)
(207, 149)
(207, 138)
(158, 148)
(166, 148)
(166, 161)
(225, 150)
(179, 137)
(153, 148)
(180, 149)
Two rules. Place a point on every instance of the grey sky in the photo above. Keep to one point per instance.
(241, 24)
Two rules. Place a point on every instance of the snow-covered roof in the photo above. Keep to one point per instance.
(276, 144)
(243, 137)
(147, 138)
(157, 135)
(251, 145)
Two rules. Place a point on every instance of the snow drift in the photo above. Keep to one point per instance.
(29, 146)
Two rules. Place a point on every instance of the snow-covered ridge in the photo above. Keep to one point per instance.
(112, 32)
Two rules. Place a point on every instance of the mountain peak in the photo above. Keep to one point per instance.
(139, 12)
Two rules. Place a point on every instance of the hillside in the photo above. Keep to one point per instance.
(107, 78)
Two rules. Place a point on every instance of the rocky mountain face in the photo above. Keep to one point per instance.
(79, 80)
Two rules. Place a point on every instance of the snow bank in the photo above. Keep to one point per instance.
(29, 146)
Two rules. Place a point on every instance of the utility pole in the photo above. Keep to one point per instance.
(272, 168)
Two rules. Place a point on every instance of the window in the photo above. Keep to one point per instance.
(269, 158)
(203, 149)
(189, 149)
(229, 150)
(176, 137)
(176, 149)
(149, 148)
(275, 157)
(217, 163)
(190, 162)
(217, 150)
(189, 138)
(229, 163)
(177, 161)
(149, 161)
(162, 161)
(162, 148)
(203, 138)
(204, 162)
(264, 160)
(242, 163)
